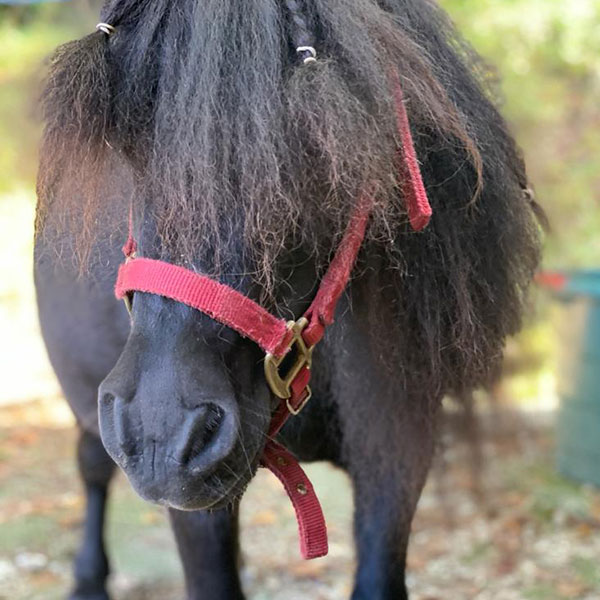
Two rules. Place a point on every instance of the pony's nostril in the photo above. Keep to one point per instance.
(203, 434)
(121, 431)
(107, 399)
(124, 431)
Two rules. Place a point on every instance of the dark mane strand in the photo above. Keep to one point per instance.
(228, 134)
(301, 33)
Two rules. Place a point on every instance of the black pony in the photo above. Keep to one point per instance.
(244, 163)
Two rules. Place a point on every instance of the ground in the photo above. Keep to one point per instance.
(531, 535)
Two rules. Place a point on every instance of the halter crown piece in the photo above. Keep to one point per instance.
(276, 336)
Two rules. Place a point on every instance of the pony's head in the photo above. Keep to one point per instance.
(186, 409)
(246, 164)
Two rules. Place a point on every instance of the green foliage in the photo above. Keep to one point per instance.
(27, 35)
(546, 52)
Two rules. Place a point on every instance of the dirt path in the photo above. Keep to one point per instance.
(533, 536)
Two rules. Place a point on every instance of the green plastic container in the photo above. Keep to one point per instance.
(578, 425)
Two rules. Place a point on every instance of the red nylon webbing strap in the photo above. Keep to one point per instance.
(312, 528)
(321, 311)
(245, 316)
(130, 247)
(417, 203)
(299, 393)
(219, 301)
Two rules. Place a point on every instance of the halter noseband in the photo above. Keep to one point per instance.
(275, 336)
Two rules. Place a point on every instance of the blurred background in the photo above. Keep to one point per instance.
(517, 516)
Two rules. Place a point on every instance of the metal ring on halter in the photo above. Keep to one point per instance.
(311, 51)
(105, 28)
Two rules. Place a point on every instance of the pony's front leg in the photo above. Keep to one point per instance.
(209, 550)
(91, 564)
(387, 445)
(388, 466)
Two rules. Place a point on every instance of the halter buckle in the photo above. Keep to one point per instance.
(281, 384)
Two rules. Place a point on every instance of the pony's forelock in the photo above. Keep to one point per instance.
(231, 137)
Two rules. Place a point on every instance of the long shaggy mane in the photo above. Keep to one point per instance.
(229, 135)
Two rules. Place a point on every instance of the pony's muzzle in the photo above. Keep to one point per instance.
(168, 453)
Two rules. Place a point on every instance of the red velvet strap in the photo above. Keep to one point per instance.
(219, 301)
(312, 528)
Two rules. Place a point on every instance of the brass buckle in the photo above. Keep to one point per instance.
(296, 411)
(280, 384)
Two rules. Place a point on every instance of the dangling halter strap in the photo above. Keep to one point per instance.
(278, 337)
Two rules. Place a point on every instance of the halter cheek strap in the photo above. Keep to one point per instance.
(278, 337)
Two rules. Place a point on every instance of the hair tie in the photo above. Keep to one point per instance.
(312, 53)
(105, 28)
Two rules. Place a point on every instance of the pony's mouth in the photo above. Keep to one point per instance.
(227, 484)
(219, 490)
(232, 496)
(222, 488)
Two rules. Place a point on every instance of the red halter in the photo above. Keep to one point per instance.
(276, 336)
